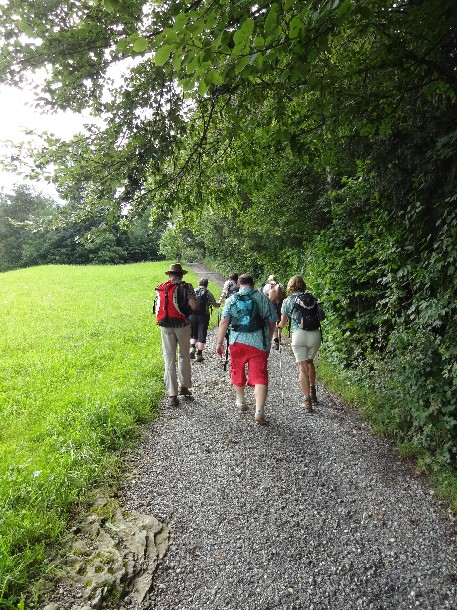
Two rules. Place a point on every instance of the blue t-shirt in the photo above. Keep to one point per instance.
(266, 310)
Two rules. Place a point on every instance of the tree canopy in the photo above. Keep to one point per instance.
(206, 80)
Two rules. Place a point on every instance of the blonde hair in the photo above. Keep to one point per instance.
(296, 283)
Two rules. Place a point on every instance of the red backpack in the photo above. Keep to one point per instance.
(170, 306)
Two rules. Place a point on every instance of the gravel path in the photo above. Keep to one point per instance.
(307, 512)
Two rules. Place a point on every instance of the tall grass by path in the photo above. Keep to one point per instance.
(81, 368)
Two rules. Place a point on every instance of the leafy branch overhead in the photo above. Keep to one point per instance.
(174, 81)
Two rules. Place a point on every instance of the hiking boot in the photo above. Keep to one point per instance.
(192, 354)
(275, 343)
(242, 406)
(313, 393)
(173, 401)
(199, 358)
(308, 406)
(183, 391)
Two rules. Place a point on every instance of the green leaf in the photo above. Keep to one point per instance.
(110, 5)
(343, 9)
(187, 84)
(122, 45)
(202, 87)
(294, 27)
(193, 64)
(218, 78)
(240, 49)
(177, 61)
(271, 21)
(163, 54)
(241, 64)
(180, 21)
(244, 33)
(140, 45)
(170, 35)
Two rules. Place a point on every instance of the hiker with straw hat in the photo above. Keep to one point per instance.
(175, 302)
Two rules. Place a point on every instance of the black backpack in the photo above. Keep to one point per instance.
(201, 296)
(306, 311)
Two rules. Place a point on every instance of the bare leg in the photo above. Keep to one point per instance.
(260, 393)
(303, 377)
(239, 391)
(311, 372)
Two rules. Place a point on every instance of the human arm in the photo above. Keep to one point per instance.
(212, 300)
(283, 321)
(222, 331)
(191, 298)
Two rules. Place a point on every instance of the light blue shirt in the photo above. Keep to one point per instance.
(266, 310)
(287, 306)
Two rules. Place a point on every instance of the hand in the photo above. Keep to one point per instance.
(220, 349)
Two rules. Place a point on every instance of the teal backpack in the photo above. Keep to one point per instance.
(245, 315)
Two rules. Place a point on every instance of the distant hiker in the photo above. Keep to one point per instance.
(301, 308)
(276, 293)
(175, 301)
(199, 319)
(250, 318)
(230, 287)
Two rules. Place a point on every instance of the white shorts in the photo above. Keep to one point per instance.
(305, 344)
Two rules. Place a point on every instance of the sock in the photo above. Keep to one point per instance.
(199, 351)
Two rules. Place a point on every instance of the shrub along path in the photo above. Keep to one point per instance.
(307, 512)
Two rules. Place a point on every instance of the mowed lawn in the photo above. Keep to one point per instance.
(81, 368)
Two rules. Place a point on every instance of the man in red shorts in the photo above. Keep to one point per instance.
(251, 319)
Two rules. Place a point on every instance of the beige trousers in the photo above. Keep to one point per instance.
(173, 338)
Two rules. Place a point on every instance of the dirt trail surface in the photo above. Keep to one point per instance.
(307, 512)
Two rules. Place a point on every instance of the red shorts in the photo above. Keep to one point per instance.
(256, 361)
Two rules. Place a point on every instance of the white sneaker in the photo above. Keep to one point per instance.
(260, 418)
(242, 406)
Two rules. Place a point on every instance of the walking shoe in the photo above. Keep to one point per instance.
(192, 354)
(199, 358)
(183, 391)
(313, 393)
(275, 343)
(260, 418)
(173, 401)
(242, 406)
(308, 405)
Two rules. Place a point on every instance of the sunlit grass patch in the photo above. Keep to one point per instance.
(81, 368)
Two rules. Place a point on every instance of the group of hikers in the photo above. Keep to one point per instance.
(250, 325)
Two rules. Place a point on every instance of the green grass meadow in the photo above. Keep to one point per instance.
(81, 370)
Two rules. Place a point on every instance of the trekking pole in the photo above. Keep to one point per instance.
(280, 368)
(226, 351)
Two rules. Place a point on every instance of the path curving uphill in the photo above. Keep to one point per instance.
(303, 513)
